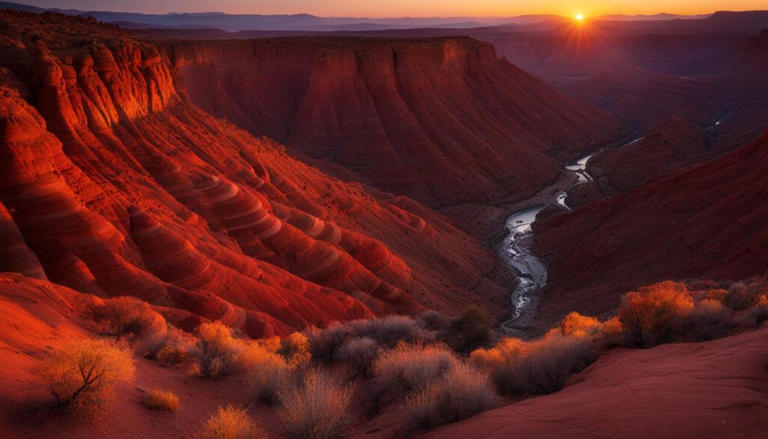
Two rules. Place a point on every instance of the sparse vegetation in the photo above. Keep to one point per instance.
(231, 423)
(269, 374)
(655, 314)
(175, 347)
(83, 373)
(522, 368)
(316, 409)
(157, 399)
(359, 355)
(387, 332)
(460, 393)
(407, 369)
(469, 331)
(216, 350)
(129, 317)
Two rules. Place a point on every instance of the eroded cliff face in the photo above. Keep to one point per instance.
(440, 120)
(112, 184)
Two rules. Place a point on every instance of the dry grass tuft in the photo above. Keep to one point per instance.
(316, 409)
(268, 373)
(407, 369)
(157, 399)
(460, 393)
(230, 423)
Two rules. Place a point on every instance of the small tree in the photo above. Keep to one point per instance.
(84, 372)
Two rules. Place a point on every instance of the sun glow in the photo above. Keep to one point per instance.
(579, 17)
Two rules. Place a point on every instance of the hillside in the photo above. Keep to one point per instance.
(114, 185)
(703, 222)
(443, 120)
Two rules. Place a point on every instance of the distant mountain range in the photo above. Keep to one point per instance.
(303, 22)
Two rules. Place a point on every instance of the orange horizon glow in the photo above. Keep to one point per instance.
(415, 8)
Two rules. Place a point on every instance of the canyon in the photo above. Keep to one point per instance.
(288, 183)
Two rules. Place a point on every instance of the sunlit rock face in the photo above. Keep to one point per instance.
(112, 184)
(441, 120)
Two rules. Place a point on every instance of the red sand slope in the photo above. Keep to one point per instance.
(715, 389)
(117, 186)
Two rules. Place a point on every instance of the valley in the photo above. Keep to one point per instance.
(294, 226)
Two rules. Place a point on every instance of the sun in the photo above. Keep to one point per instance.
(579, 17)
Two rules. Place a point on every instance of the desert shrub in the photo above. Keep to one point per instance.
(316, 409)
(216, 350)
(655, 314)
(174, 347)
(387, 332)
(267, 373)
(407, 369)
(460, 393)
(230, 423)
(295, 348)
(82, 374)
(433, 320)
(741, 296)
(578, 325)
(758, 314)
(709, 320)
(157, 399)
(358, 355)
(538, 367)
(469, 331)
(129, 316)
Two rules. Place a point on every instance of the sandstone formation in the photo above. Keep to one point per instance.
(112, 184)
(441, 120)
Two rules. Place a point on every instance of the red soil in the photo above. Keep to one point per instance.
(119, 187)
(702, 390)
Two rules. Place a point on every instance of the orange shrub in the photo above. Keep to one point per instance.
(268, 373)
(216, 350)
(655, 314)
(157, 399)
(129, 316)
(83, 373)
(230, 423)
(518, 367)
(295, 348)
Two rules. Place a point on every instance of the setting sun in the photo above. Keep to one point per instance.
(579, 17)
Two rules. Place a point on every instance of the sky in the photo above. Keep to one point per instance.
(414, 8)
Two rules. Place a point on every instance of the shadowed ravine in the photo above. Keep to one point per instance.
(515, 249)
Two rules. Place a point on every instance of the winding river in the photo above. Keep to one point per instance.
(515, 250)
